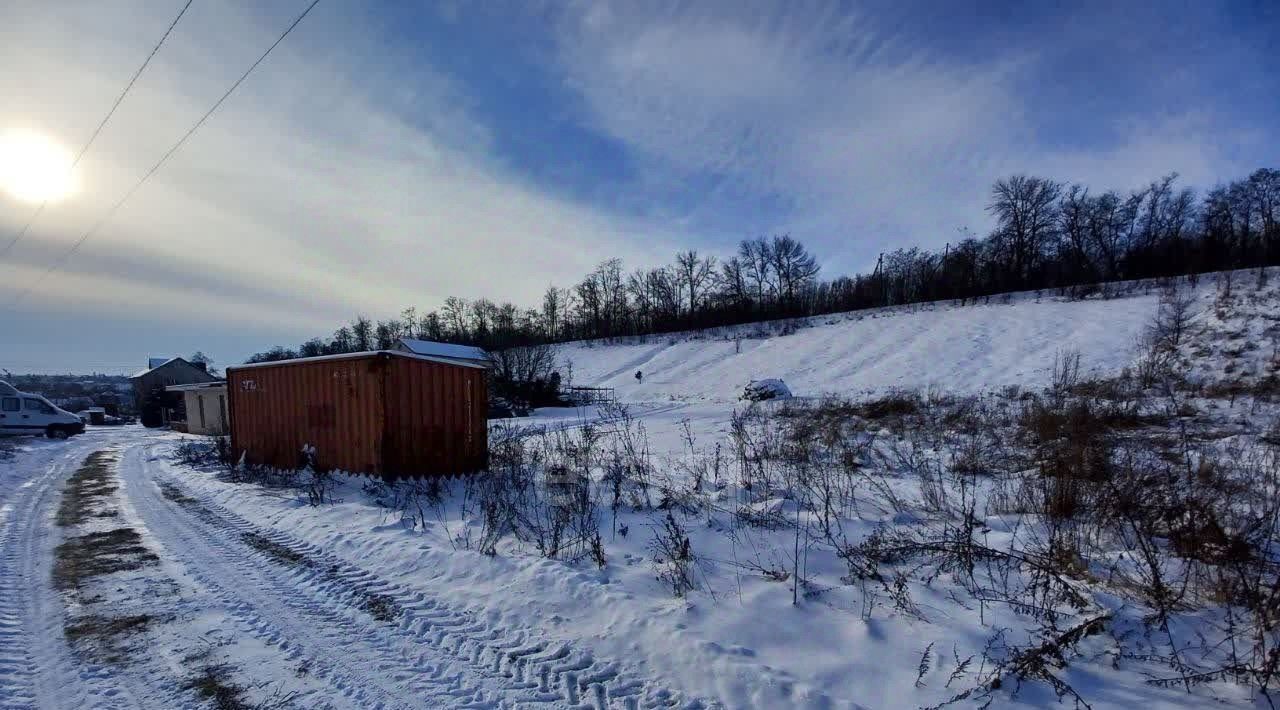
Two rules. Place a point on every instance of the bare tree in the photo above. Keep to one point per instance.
(695, 274)
(342, 342)
(756, 256)
(362, 333)
(314, 347)
(386, 333)
(613, 295)
(455, 317)
(733, 281)
(590, 304)
(199, 358)
(483, 314)
(1025, 212)
(553, 308)
(641, 297)
(794, 267)
(1075, 224)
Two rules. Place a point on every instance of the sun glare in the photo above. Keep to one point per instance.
(34, 167)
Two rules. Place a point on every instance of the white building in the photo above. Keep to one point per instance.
(206, 405)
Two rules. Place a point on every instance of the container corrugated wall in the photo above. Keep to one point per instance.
(436, 417)
(374, 413)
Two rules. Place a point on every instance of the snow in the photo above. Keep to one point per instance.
(969, 348)
(739, 641)
(761, 390)
(446, 350)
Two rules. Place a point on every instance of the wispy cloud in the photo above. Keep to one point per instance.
(871, 134)
(325, 189)
(364, 168)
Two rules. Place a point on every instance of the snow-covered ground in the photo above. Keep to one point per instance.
(351, 605)
(985, 345)
(295, 619)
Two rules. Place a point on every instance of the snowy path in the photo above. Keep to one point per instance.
(37, 670)
(363, 642)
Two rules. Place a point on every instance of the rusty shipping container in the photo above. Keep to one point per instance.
(383, 413)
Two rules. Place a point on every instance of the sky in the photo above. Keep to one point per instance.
(391, 154)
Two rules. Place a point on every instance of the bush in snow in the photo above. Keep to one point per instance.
(204, 452)
(537, 492)
(318, 483)
(673, 556)
(762, 390)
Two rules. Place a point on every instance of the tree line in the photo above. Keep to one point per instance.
(1047, 235)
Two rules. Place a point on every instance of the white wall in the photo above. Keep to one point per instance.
(216, 419)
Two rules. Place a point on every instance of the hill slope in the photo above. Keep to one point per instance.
(1011, 340)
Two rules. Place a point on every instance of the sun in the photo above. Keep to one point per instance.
(34, 167)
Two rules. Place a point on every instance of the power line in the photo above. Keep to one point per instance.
(119, 99)
(163, 159)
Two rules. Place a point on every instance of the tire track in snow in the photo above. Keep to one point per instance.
(37, 668)
(269, 608)
(483, 666)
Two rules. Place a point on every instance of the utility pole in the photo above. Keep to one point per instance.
(884, 283)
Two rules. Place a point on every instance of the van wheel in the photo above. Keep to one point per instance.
(55, 432)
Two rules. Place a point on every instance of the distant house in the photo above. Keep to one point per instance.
(464, 354)
(154, 404)
(205, 404)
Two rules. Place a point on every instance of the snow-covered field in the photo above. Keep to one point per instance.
(370, 601)
(986, 345)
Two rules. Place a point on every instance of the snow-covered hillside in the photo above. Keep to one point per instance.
(683, 549)
(1008, 340)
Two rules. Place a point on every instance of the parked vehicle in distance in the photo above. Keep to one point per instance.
(26, 413)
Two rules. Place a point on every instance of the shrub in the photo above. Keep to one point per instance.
(202, 452)
(893, 406)
(673, 558)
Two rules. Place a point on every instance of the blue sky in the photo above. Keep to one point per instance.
(392, 154)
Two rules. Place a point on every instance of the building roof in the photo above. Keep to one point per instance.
(153, 363)
(445, 350)
(166, 363)
(356, 356)
(218, 384)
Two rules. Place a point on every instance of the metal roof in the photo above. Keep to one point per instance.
(446, 350)
(355, 356)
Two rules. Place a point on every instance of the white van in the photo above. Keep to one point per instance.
(24, 413)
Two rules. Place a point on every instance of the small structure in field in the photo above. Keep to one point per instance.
(386, 413)
(206, 407)
(582, 396)
(156, 406)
